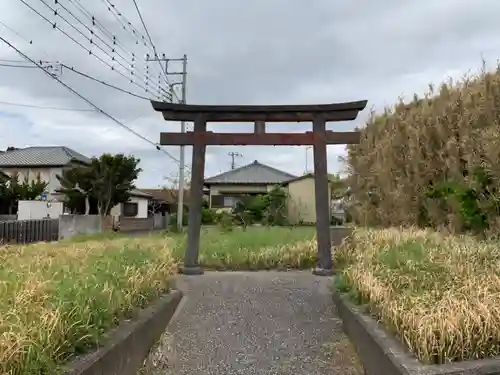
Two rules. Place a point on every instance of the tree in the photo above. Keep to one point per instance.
(76, 187)
(104, 183)
(338, 186)
(174, 184)
(12, 191)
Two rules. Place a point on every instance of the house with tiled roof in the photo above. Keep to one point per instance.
(257, 178)
(46, 162)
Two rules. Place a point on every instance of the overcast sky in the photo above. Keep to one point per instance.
(256, 52)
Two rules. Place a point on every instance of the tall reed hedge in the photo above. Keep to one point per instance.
(432, 162)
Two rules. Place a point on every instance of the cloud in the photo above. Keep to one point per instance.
(259, 52)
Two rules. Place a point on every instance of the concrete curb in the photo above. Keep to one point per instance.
(382, 354)
(129, 344)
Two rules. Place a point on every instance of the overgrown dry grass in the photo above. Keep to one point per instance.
(442, 136)
(59, 300)
(440, 294)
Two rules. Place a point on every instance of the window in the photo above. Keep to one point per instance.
(229, 202)
(130, 209)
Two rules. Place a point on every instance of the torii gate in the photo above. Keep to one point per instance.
(319, 138)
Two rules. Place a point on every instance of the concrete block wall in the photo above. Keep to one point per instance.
(128, 224)
(72, 225)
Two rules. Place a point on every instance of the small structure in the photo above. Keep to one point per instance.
(319, 138)
(136, 207)
(164, 200)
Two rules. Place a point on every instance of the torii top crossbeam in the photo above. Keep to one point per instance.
(267, 113)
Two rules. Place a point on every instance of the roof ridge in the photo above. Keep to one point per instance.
(278, 170)
(233, 170)
(280, 174)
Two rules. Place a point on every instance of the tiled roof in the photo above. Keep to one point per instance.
(254, 173)
(168, 195)
(41, 156)
(139, 193)
(165, 195)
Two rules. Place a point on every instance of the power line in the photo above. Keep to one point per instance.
(95, 22)
(50, 108)
(15, 32)
(121, 124)
(16, 66)
(86, 37)
(29, 41)
(113, 39)
(129, 27)
(152, 44)
(71, 69)
(117, 14)
(54, 25)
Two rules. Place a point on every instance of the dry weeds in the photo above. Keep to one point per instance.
(439, 293)
(58, 300)
(443, 136)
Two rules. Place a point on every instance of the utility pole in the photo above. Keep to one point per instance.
(306, 170)
(233, 155)
(183, 83)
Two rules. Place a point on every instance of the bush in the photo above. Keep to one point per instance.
(208, 216)
(172, 221)
(225, 221)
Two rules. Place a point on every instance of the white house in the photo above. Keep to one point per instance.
(47, 162)
(44, 162)
(137, 205)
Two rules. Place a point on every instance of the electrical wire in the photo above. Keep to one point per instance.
(113, 39)
(131, 72)
(29, 41)
(113, 50)
(95, 22)
(124, 21)
(72, 69)
(15, 32)
(126, 25)
(98, 109)
(151, 42)
(16, 66)
(50, 108)
(81, 45)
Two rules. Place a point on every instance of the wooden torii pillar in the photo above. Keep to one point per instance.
(319, 138)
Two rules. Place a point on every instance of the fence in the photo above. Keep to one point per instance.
(27, 231)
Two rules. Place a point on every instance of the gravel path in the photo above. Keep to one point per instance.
(254, 323)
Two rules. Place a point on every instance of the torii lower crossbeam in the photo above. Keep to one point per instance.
(319, 138)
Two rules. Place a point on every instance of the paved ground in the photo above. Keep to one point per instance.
(254, 323)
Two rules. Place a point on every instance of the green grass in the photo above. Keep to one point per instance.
(255, 248)
(439, 294)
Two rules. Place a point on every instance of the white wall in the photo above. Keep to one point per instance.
(46, 174)
(142, 208)
(35, 210)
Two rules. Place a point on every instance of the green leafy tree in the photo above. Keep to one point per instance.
(77, 189)
(12, 191)
(104, 183)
